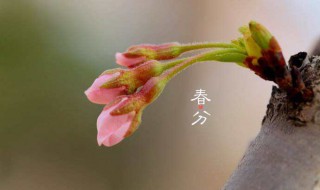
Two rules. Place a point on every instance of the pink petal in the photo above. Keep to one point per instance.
(99, 95)
(123, 60)
(112, 129)
(117, 136)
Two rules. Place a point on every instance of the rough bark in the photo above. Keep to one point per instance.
(286, 152)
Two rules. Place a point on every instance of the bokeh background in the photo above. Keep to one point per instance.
(52, 50)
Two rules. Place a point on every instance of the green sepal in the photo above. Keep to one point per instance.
(132, 103)
(260, 34)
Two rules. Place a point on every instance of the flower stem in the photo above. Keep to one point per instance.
(152, 91)
(224, 55)
(196, 46)
(211, 56)
(169, 65)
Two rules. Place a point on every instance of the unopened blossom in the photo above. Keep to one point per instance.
(115, 82)
(133, 78)
(100, 95)
(138, 54)
(128, 60)
(112, 129)
(123, 116)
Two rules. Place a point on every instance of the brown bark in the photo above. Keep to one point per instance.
(286, 152)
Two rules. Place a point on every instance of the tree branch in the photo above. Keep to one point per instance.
(286, 152)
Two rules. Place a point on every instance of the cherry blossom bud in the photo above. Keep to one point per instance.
(123, 116)
(112, 129)
(115, 82)
(128, 60)
(138, 54)
(99, 95)
(135, 77)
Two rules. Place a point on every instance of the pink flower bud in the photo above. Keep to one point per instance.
(122, 117)
(138, 54)
(135, 77)
(100, 95)
(129, 61)
(113, 128)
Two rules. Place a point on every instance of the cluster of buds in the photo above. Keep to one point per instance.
(121, 117)
(126, 92)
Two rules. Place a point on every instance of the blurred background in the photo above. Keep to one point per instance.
(51, 51)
